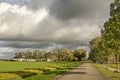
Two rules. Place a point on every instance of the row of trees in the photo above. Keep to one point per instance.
(107, 46)
(62, 54)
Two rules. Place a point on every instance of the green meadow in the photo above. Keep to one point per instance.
(34, 70)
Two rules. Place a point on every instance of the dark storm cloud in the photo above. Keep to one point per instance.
(40, 45)
(24, 44)
(82, 21)
(69, 9)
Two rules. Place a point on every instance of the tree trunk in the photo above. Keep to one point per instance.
(117, 63)
(108, 62)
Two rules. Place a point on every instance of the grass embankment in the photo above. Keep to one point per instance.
(110, 75)
(34, 70)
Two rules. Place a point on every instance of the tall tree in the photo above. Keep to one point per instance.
(47, 55)
(37, 55)
(95, 50)
(17, 55)
(111, 31)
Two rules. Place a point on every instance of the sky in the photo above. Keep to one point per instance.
(49, 24)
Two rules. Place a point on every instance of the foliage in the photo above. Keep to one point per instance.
(79, 54)
(97, 53)
(111, 30)
(110, 39)
(61, 54)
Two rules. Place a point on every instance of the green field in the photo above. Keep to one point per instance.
(34, 70)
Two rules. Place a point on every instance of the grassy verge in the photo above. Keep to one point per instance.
(113, 66)
(34, 70)
(110, 75)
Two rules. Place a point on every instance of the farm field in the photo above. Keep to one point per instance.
(34, 70)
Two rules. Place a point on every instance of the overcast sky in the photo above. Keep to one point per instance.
(49, 24)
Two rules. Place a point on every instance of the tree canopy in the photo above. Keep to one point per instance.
(110, 36)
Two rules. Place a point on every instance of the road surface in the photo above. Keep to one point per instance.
(84, 72)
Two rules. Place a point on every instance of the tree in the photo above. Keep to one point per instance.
(97, 50)
(79, 54)
(18, 55)
(47, 55)
(63, 54)
(37, 55)
(111, 31)
(66, 54)
(29, 53)
(53, 57)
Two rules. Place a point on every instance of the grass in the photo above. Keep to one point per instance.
(113, 66)
(34, 70)
(110, 75)
(19, 66)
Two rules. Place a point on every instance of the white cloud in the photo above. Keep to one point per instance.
(21, 19)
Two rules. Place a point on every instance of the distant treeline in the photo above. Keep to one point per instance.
(62, 54)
